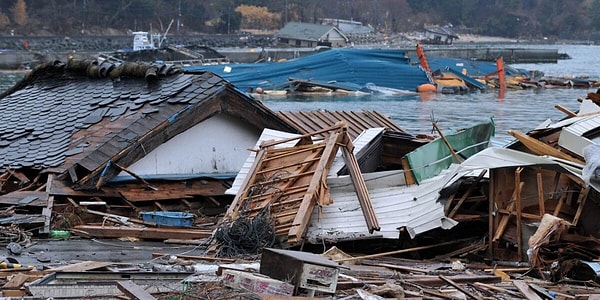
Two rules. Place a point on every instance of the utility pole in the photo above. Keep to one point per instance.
(178, 17)
(286, 11)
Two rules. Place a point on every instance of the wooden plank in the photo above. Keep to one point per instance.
(467, 193)
(452, 151)
(17, 280)
(399, 251)
(408, 174)
(541, 197)
(47, 211)
(580, 204)
(359, 184)
(559, 205)
(194, 257)
(491, 215)
(505, 218)
(497, 289)
(458, 287)
(33, 198)
(404, 268)
(172, 190)
(81, 266)
(300, 223)
(565, 110)
(540, 148)
(519, 210)
(133, 290)
(526, 290)
(250, 178)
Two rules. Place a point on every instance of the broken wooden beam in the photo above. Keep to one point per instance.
(134, 291)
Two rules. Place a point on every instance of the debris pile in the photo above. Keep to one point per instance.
(325, 204)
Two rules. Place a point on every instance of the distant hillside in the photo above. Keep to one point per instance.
(530, 19)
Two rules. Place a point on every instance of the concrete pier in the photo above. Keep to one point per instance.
(18, 51)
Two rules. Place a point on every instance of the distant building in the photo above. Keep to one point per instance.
(356, 32)
(439, 35)
(311, 35)
(348, 27)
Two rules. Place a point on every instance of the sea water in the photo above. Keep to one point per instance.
(521, 110)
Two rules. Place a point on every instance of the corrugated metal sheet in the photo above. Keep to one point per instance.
(357, 122)
(359, 143)
(430, 159)
(396, 205)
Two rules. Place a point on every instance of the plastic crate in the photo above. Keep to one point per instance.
(169, 218)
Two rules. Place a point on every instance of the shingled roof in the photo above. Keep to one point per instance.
(83, 115)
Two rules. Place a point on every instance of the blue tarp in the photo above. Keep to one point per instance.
(353, 68)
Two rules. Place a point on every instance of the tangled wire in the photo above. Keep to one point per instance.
(245, 236)
(14, 234)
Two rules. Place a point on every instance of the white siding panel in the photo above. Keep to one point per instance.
(415, 207)
(267, 134)
(217, 145)
(571, 137)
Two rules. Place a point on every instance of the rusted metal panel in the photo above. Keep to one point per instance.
(357, 121)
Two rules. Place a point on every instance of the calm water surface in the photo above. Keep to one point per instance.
(517, 109)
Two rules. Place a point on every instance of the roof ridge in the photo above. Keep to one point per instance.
(94, 68)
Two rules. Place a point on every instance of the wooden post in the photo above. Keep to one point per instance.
(456, 158)
(541, 197)
(518, 208)
(491, 206)
(466, 195)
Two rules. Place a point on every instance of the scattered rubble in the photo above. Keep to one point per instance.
(335, 205)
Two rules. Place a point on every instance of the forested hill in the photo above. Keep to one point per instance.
(522, 19)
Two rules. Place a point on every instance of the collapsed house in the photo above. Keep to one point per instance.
(90, 141)
(122, 139)
(87, 139)
(328, 188)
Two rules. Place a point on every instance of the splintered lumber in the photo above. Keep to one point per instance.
(133, 290)
(496, 289)
(403, 268)
(81, 266)
(467, 193)
(316, 187)
(454, 155)
(505, 218)
(429, 280)
(458, 287)
(541, 199)
(141, 232)
(540, 148)
(399, 251)
(524, 288)
(519, 213)
(359, 183)
(194, 257)
(568, 112)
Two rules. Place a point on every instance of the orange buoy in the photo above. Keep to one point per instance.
(426, 87)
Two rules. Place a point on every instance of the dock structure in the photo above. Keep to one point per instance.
(511, 55)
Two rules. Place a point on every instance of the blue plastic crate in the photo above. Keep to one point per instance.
(169, 218)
